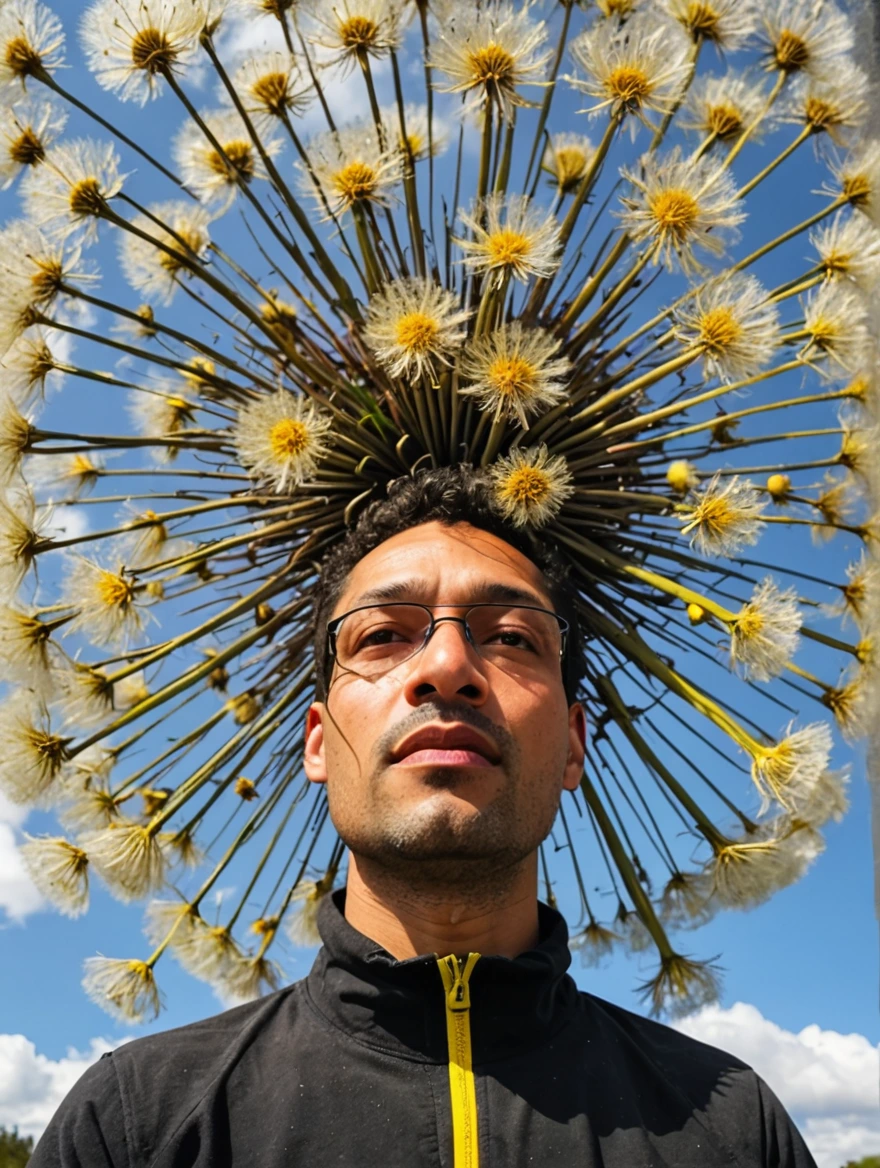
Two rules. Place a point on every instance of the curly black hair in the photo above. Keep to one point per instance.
(449, 495)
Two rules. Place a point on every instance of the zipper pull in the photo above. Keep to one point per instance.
(456, 979)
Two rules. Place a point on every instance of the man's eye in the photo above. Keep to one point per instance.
(380, 637)
(511, 639)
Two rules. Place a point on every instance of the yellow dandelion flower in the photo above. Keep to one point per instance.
(678, 205)
(529, 487)
(764, 635)
(723, 516)
(510, 237)
(281, 438)
(514, 372)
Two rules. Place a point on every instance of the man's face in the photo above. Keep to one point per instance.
(399, 791)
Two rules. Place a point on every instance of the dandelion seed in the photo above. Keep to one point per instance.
(109, 608)
(514, 372)
(411, 324)
(69, 193)
(632, 930)
(163, 414)
(510, 237)
(678, 205)
(27, 652)
(16, 436)
(722, 107)
(418, 141)
(31, 41)
(302, 926)
(248, 978)
(860, 596)
(788, 770)
(281, 438)
(639, 68)
(728, 24)
(131, 45)
(857, 179)
(128, 859)
(748, 871)
(60, 871)
(209, 953)
(181, 850)
(567, 157)
(22, 537)
(802, 36)
(686, 902)
(723, 516)
(352, 29)
(853, 702)
(681, 986)
(764, 636)
(489, 52)
(32, 754)
(351, 167)
(618, 9)
(849, 248)
(270, 83)
(529, 487)
(171, 922)
(682, 476)
(27, 130)
(83, 695)
(835, 319)
(246, 789)
(214, 175)
(827, 799)
(127, 990)
(733, 323)
(130, 691)
(832, 107)
(593, 944)
(155, 268)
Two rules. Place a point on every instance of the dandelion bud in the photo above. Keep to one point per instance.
(246, 789)
(682, 476)
(696, 613)
(779, 487)
(264, 613)
(245, 707)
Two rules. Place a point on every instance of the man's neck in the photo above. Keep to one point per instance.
(406, 925)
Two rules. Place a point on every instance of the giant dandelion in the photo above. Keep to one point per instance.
(222, 342)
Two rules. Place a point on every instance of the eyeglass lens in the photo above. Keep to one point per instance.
(376, 639)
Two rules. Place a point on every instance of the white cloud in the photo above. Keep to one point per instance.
(18, 896)
(32, 1085)
(829, 1082)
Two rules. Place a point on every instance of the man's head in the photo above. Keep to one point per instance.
(448, 762)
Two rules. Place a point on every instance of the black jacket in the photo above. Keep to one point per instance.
(351, 1067)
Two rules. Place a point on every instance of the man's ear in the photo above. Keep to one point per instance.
(314, 762)
(577, 737)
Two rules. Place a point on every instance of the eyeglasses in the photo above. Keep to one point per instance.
(376, 638)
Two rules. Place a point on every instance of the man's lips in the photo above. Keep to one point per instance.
(445, 745)
(468, 758)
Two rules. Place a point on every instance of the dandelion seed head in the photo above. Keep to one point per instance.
(351, 167)
(801, 36)
(722, 106)
(634, 69)
(510, 236)
(125, 989)
(281, 438)
(681, 986)
(490, 52)
(130, 45)
(108, 606)
(32, 754)
(764, 636)
(529, 486)
(349, 29)
(787, 771)
(514, 371)
(128, 858)
(69, 192)
(31, 41)
(411, 324)
(723, 516)
(835, 319)
(155, 266)
(59, 870)
(567, 157)
(849, 248)
(733, 323)
(726, 23)
(677, 206)
(213, 174)
(270, 83)
(593, 944)
(686, 901)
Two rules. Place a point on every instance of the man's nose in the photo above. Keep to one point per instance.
(448, 664)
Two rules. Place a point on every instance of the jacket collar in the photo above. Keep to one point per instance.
(398, 1006)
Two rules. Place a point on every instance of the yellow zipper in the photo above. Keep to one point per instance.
(456, 975)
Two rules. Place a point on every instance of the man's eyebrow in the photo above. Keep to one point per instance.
(415, 590)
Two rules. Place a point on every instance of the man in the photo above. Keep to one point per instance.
(438, 1025)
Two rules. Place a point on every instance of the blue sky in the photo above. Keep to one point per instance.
(807, 958)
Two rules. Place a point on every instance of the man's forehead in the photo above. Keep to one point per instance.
(461, 562)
